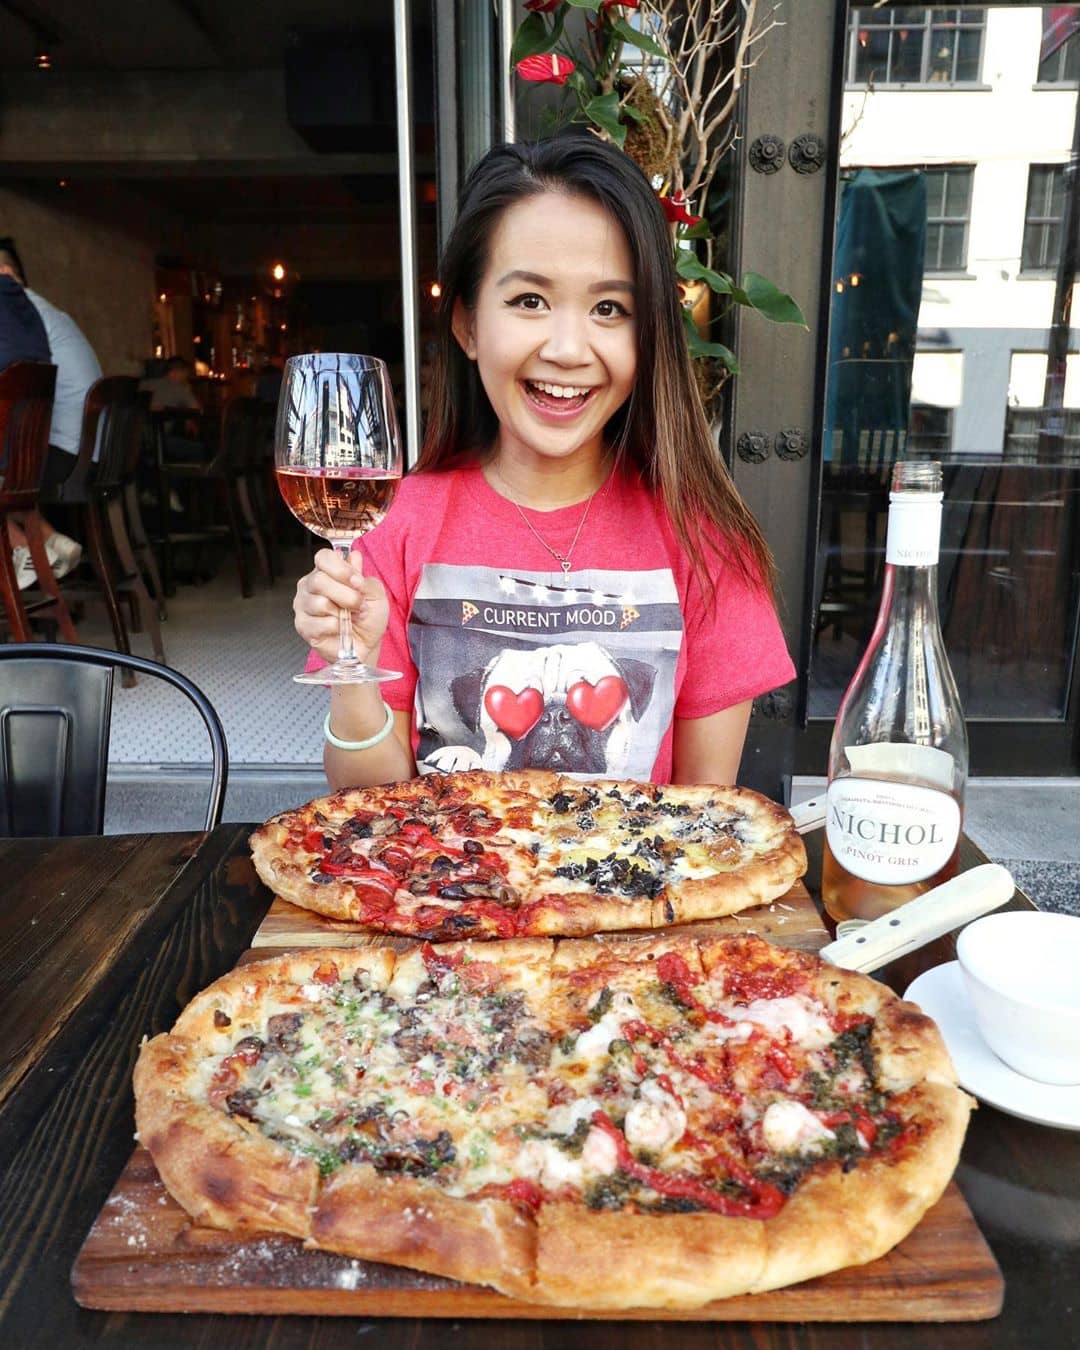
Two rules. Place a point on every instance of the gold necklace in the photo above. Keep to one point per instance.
(563, 559)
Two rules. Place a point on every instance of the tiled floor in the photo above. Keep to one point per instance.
(242, 653)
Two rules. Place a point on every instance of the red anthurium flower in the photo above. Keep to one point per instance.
(548, 69)
(612, 4)
(675, 210)
(542, 6)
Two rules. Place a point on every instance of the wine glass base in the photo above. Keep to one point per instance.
(354, 673)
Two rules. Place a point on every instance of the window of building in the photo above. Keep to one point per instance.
(930, 430)
(1043, 217)
(948, 211)
(1059, 55)
(1026, 416)
(912, 44)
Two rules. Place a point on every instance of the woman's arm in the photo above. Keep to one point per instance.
(357, 713)
(708, 749)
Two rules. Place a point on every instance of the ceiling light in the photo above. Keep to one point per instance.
(278, 271)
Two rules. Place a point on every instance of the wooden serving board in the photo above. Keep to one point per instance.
(790, 921)
(143, 1254)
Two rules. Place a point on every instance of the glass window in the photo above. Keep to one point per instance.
(1059, 55)
(1027, 417)
(1043, 216)
(948, 210)
(929, 431)
(915, 45)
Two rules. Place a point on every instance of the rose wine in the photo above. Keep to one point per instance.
(338, 502)
(899, 752)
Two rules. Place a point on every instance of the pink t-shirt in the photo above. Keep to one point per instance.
(508, 663)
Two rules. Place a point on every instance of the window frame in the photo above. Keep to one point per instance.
(1060, 57)
(886, 21)
(944, 220)
(1049, 266)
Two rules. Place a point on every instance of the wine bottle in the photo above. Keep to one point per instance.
(899, 752)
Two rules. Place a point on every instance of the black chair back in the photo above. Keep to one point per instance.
(112, 422)
(55, 712)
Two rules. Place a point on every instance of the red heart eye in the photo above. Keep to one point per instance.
(597, 705)
(515, 714)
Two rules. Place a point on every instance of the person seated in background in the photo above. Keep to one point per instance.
(77, 368)
(171, 393)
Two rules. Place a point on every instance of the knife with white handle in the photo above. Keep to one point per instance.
(809, 815)
(934, 913)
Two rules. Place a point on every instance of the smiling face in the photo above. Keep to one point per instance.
(553, 331)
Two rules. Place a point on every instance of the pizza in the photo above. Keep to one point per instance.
(528, 854)
(647, 1122)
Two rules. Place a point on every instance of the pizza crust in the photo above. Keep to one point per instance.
(409, 1222)
(222, 1174)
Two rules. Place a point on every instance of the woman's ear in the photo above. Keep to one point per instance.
(463, 327)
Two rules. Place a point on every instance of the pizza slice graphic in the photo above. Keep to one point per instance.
(468, 611)
(628, 616)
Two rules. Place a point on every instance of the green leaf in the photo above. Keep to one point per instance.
(531, 39)
(604, 111)
(636, 39)
(690, 269)
(635, 114)
(699, 231)
(768, 299)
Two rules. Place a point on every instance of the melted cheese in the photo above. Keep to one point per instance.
(789, 1127)
(655, 1120)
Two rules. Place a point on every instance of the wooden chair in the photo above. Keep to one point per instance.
(55, 710)
(231, 469)
(26, 399)
(109, 445)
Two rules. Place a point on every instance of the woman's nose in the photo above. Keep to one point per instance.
(566, 341)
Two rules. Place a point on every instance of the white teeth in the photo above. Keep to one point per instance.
(559, 390)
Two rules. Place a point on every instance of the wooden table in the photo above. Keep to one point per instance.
(104, 940)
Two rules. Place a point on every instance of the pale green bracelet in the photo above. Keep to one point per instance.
(380, 735)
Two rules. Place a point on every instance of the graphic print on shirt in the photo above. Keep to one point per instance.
(518, 670)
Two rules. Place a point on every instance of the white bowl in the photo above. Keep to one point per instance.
(1022, 971)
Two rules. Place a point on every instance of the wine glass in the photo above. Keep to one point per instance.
(337, 457)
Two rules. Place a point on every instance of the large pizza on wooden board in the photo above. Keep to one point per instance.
(595, 1124)
(531, 853)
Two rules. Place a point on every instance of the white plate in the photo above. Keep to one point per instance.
(941, 995)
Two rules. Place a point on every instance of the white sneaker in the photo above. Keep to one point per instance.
(64, 553)
(24, 568)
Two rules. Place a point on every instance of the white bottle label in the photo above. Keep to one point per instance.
(890, 833)
(914, 535)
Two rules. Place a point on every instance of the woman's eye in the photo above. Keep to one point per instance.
(527, 301)
(611, 309)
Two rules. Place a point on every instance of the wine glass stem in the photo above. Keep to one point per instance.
(346, 646)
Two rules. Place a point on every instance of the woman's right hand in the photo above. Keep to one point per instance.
(334, 585)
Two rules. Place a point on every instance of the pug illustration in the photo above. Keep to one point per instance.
(571, 708)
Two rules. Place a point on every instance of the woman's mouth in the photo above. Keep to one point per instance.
(557, 398)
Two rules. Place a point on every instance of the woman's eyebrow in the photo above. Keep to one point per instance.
(535, 279)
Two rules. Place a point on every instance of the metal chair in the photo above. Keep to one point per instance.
(55, 711)
(26, 398)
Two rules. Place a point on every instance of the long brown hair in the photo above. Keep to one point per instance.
(661, 428)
